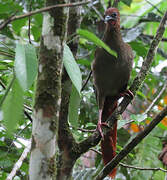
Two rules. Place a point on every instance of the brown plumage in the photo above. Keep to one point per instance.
(111, 75)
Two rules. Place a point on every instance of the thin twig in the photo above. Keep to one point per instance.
(86, 130)
(156, 98)
(45, 9)
(28, 108)
(19, 162)
(96, 151)
(155, 7)
(98, 13)
(142, 168)
(133, 167)
(115, 3)
(84, 85)
(2, 84)
(29, 23)
(151, 37)
(6, 22)
(27, 115)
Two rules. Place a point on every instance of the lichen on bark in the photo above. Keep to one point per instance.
(48, 93)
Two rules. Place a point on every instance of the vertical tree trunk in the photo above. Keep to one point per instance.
(48, 94)
(67, 145)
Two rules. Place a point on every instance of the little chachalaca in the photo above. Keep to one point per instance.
(110, 76)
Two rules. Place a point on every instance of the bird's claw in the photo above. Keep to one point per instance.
(99, 127)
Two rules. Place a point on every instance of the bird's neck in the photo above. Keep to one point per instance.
(113, 38)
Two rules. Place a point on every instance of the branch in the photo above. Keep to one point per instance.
(142, 168)
(45, 9)
(85, 83)
(96, 151)
(19, 162)
(133, 167)
(29, 22)
(151, 37)
(155, 7)
(115, 3)
(129, 147)
(86, 130)
(98, 13)
(2, 84)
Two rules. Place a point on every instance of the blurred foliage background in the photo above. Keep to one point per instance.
(139, 22)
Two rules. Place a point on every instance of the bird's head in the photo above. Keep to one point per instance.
(112, 17)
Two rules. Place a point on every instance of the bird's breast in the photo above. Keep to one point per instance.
(110, 75)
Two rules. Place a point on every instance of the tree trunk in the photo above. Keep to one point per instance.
(67, 145)
(48, 94)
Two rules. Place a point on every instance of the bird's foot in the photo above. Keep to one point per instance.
(99, 127)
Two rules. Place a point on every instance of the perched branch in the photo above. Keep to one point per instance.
(45, 9)
(19, 162)
(156, 98)
(111, 165)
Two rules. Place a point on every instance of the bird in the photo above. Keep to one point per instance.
(110, 77)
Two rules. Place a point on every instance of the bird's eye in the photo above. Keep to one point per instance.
(114, 14)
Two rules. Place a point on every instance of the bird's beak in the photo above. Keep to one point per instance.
(107, 18)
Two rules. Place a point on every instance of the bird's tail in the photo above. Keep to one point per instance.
(108, 145)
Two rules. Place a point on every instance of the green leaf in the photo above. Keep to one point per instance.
(18, 24)
(72, 68)
(84, 62)
(138, 117)
(36, 32)
(93, 38)
(139, 47)
(12, 106)
(73, 107)
(127, 2)
(25, 65)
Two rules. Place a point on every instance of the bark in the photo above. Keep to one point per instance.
(48, 94)
(66, 142)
